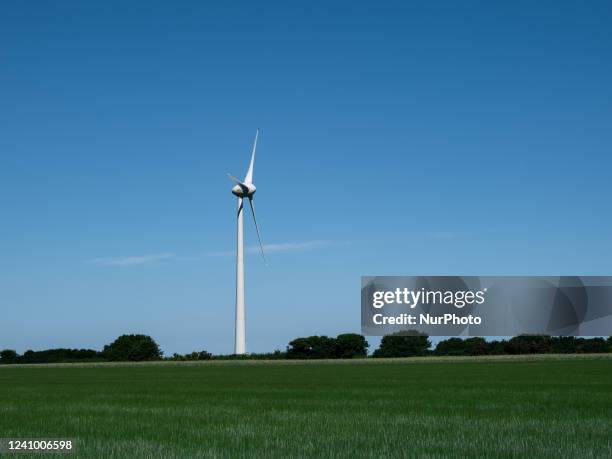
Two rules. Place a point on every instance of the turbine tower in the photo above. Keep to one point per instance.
(243, 190)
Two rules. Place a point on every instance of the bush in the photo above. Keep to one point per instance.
(276, 355)
(202, 355)
(59, 355)
(50, 356)
(8, 356)
(403, 345)
(132, 348)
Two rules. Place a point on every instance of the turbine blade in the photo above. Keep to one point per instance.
(234, 179)
(249, 174)
(257, 228)
(239, 183)
(240, 206)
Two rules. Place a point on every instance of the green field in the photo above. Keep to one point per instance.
(421, 407)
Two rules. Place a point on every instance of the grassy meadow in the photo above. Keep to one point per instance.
(466, 407)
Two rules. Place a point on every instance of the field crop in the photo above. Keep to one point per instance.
(546, 407)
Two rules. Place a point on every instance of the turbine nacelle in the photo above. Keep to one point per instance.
(244, 190)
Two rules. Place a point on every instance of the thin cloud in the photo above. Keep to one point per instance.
(275, 248)
(130, 260)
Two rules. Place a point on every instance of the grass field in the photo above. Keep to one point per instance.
(427, 408)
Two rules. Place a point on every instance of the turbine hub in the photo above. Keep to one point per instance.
(244, 190)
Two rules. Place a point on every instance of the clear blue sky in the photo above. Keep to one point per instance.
(398, 138)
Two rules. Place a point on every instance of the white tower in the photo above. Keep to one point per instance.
(243, 189)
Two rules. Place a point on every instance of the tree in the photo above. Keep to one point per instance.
(592, 345)
(350, 345)
(133, 348)
(451, 346)
(527, 344)
(60, 355)
(313, 347)
(476, 346)
(497, 347)
(403, 345)
(8, 356)
(564, 345)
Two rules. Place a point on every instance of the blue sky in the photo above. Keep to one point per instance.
(398, 138)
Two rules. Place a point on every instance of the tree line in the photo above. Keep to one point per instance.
(125, 348)
(414, 345)
(345, 346)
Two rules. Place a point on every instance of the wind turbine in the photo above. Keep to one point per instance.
(243, 189)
